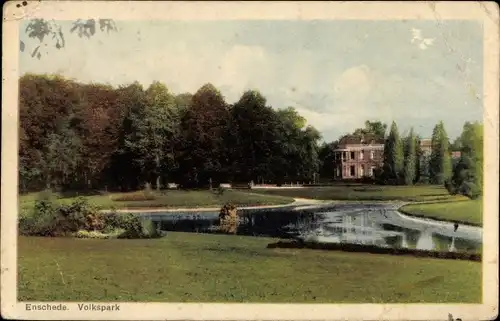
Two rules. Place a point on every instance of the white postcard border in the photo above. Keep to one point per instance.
(487, 12)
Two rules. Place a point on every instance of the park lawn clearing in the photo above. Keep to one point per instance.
(167, 199)
(189, 267)
(365, 193)
(467, 212)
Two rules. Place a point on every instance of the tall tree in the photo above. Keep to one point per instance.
(258, 142)
(468, 172)
(410, 170)
(126, 168)
(204, 125)
(156, 131)
(393, 167)
(440, 159)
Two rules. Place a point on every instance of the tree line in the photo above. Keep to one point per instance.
(95, 136)
(406, 163)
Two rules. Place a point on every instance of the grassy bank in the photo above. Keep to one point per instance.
(366, 193)
(465, 212)
(219, 268)
(167, 199)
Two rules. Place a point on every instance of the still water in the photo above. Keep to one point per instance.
(375, 224)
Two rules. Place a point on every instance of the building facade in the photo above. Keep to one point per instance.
(357, 157)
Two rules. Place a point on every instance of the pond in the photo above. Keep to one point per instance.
(371, 224)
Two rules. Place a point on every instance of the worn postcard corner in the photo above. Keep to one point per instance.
(250, 160)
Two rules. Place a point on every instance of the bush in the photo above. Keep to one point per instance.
(450, 187)
(470, 190)
(81, 219)
(133, 226)
(137, 228)
(52, 219)
(42, 221)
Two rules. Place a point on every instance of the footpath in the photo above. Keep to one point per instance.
(296, 202)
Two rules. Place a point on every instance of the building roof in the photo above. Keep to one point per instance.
(360, 140)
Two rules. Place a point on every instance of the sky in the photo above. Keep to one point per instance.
(337, 74)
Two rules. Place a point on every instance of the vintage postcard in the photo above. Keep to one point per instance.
(250, 160)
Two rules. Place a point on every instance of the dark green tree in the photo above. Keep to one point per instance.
(467, 176)
(411, 160)
(440, 159)
(204, 131)
(393, 166)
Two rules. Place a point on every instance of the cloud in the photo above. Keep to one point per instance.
(417, 38)
(354, 82)
(334, 76)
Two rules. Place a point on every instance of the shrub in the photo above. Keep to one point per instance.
(138, 228)
(52, 219)
(470, 190)
(42, 221)
(450, 187)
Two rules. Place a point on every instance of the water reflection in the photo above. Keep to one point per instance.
(349, 224)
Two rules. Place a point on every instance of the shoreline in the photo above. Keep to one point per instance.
(297, 204)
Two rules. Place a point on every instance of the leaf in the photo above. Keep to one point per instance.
(21, 46)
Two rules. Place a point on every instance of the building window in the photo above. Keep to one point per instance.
(344, 155)
(372, 154)
(362, 155)
(353, 171)
(361, 171)
(372, 171)
(352, 155)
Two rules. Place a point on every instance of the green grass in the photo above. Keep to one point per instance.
(169, 199)
(184, 267)
(366, 193)
(469, 211)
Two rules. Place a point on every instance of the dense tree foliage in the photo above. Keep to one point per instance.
(410, 160)
(467, 178)
(440, 159)
(93, 136)
(374, 128)
(393, 166)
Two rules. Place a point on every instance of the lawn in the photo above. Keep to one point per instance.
(366, 193)
(470, 211)
(168, 199)
(188, 267)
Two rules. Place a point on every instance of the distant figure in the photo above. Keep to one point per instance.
(456, 226)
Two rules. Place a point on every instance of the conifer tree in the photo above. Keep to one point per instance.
(410, 170)
(440, 160)
(393, 167)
